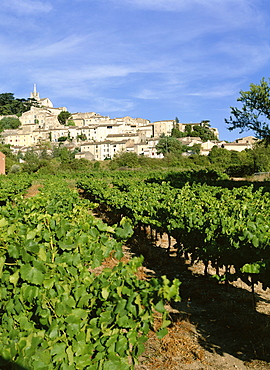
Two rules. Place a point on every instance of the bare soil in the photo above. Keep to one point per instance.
(32, 191)
(214, 326)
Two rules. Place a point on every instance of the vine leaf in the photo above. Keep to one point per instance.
(31, 274)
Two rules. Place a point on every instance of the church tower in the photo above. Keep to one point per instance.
(35, 94)
(44, 102)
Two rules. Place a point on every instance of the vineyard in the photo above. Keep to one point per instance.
(64, 305)
(216, 225)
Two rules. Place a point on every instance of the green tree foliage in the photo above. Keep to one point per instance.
(188, 130)
(241, 164)
(177, 133)
(15, 168)
(10, 105)
(196, 148)
(10, 157)
(200, 160)
(63, 117)
(80, 164)
(261, 157)
(9, 123)
(203, 130)
(31, 161)
(63, 154)
(220, 157)
(62, 138)
(255, 111)
(44, 154)
(169, 144)
(82, 137)
(125, 159)
(5, 149)
(71, 122)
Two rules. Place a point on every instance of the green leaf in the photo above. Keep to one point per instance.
(83, 361)
(161, 333)
(59, 352)
(252, 268)
(255, 241)
(31, 274)
(42, 255)
(3, 222)
(121, 346)
(30, 292)
(105, 292)
(115, 364)
(40, 365)
(70, 355)
(48, 283)
(76, 316)
(14, 278)
(124, 232)
(165, 323)
(31, 234)
(2, 263)
(160, 306)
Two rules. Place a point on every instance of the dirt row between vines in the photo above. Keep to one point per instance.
(214, 327)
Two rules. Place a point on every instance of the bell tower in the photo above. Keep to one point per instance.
(35, 94)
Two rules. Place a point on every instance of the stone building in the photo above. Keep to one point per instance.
(2, 163)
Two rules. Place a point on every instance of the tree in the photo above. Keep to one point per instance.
(124, 159)
(62, 138)
(255, 112)
(188, 130)
(196, 148)
(31, 161)
(71, 122)
(63, 154)
(177, 133)
(204, 132)
(82, 137)
(63, 117)
(220, 157)
(170, 144)
(10, 105)
(9, 123)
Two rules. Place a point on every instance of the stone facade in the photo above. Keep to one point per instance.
(2, 163)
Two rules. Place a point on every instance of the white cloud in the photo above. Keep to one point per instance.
(26, 6)
(220, 91)
(113, 105)
(182, 5)
(74, 76)
(40, 50)
(147, 94)
(44, 49)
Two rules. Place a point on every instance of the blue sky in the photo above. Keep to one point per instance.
(154, 59)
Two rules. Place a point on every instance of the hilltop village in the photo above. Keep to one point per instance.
(99, 137)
